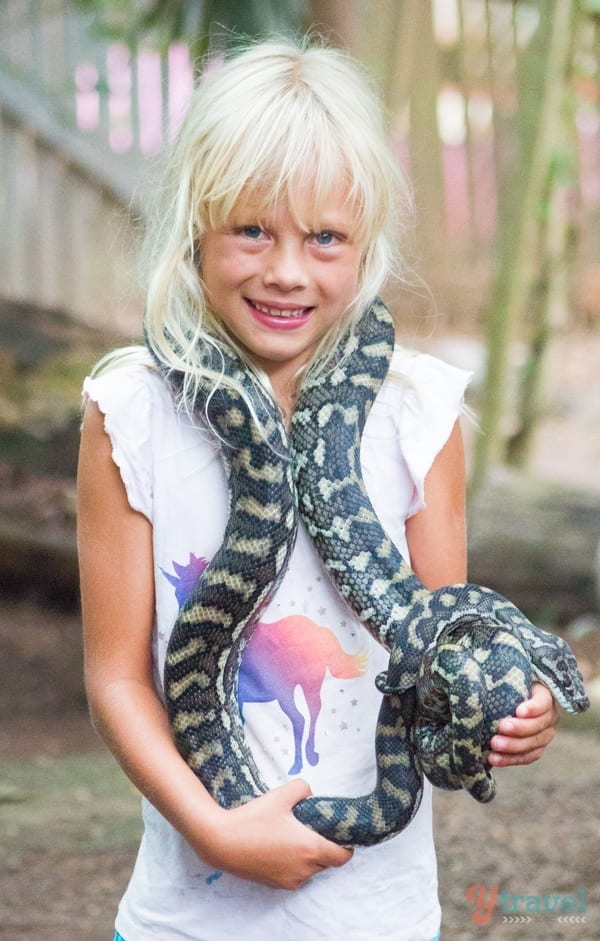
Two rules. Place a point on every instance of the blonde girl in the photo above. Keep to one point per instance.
(275, 226)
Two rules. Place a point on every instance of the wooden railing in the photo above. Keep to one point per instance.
(81, 117)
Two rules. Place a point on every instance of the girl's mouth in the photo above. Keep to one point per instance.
(286, 318)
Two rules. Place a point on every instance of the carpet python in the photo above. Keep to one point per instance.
(461, 657)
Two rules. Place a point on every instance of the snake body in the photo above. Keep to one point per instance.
(460, 658)
(208, 640)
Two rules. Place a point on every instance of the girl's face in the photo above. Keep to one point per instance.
(278, 287)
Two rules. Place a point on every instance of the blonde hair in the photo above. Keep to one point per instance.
(272, 119)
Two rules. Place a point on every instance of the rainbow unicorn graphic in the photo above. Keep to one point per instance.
(280, 657)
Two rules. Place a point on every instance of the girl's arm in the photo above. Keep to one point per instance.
(261, 841)
(438, 549)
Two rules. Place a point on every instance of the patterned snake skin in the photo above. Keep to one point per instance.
(460, 658)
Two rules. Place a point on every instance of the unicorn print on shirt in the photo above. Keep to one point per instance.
(291, 652)
(280, 657)
(185, 577)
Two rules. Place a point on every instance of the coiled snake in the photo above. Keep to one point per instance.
(460, 658)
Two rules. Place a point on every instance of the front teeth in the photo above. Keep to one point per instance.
(276, 312)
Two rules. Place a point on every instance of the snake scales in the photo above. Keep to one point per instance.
(460, 658)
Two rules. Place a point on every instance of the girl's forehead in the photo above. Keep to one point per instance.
(302, 203)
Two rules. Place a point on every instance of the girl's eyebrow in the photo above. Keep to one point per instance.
(246, 217)
(233, 224)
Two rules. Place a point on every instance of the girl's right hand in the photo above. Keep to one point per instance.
(263, 842)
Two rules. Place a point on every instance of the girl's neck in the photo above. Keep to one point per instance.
(285, 394)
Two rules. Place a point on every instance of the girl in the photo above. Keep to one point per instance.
(276, 227)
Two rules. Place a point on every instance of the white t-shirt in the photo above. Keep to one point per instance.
(306, 683)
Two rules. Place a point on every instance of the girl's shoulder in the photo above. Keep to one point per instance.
(124, 379)
(417, 372)
(415, 411)
(421, 386)
(134, 401)
(130, 391)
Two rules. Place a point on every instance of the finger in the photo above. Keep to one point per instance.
(529, 719)
(330, 853)
(539, 702)
(289, 794)
(507, 761)
(513, 745)
(524, 728)
(335, 855)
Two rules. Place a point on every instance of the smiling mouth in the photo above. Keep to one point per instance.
(288, 313)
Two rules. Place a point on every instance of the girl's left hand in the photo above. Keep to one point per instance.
(522, 738)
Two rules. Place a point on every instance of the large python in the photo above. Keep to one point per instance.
(460, 657)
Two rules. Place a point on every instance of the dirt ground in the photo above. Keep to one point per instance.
(69, 820)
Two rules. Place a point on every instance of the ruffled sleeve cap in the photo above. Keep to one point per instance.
(124, 396)
(425, 397)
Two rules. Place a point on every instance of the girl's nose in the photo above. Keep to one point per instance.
(285, 267)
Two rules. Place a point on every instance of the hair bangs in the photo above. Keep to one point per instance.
(289, 148)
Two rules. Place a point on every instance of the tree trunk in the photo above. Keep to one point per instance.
(550, 294)
(426, 170)
(539, 98)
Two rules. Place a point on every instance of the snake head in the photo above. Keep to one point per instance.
(552, 660)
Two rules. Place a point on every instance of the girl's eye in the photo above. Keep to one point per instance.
(251, 231)
(324, 238)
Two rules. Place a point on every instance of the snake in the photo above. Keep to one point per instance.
(460, 657)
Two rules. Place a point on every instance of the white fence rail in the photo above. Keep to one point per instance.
(79, 117)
